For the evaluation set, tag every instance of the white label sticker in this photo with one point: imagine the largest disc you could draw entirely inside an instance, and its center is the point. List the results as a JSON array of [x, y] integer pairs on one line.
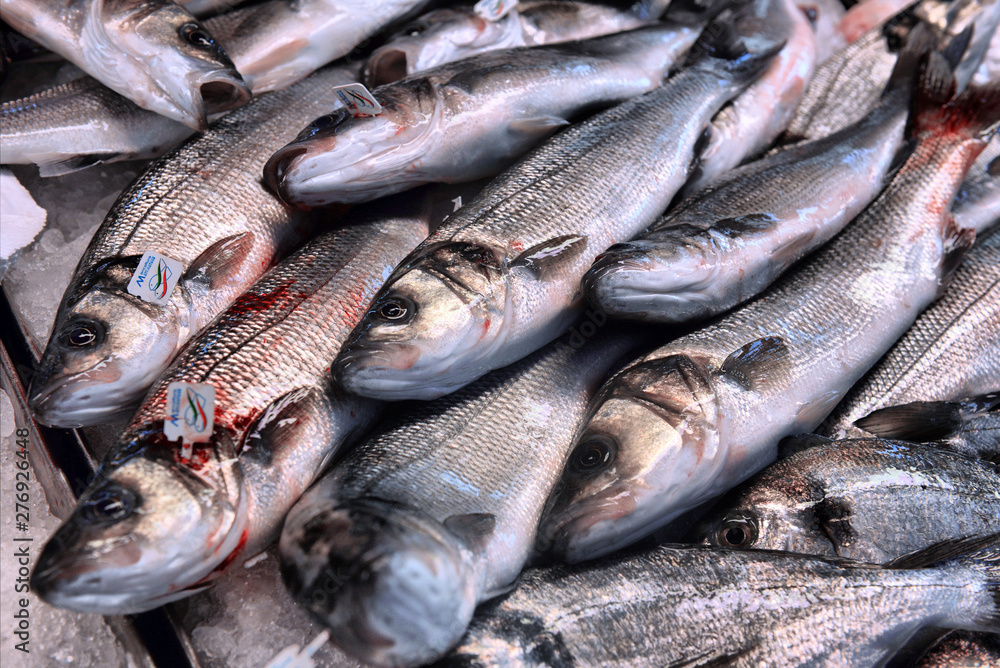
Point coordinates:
[[358, 99], [155, 278], [190, 413], [494, 10]]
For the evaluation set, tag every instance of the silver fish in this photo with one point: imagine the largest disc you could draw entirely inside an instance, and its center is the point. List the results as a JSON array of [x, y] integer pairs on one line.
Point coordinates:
[[952, 351], [202, 205], [151, 51], [158, 524], [977, 205], [453, 492], [703, 413], [501, 277], [867, 499], [455, 33], [699, 606], [473, 118], [721, 247]]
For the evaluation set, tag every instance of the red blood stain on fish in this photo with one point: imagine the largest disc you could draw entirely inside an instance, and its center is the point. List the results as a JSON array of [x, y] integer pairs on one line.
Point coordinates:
[[261, 302]]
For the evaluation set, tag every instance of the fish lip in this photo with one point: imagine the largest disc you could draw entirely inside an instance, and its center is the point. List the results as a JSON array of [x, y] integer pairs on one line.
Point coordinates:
[[45, 410], [386, 65], [567, 527], [223, 92], [278, 165]]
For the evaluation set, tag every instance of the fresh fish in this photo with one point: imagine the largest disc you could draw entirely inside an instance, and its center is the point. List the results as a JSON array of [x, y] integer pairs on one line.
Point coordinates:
[[500, 278], [952, 351], [758, 115], [455, 33], [453, 492], [202, 205], [471, 119], [158, 524], [964, 650], [970, 426], [977, 205], [867, 499], [151, 51], [725, 245], [699, 415], [700, 606]]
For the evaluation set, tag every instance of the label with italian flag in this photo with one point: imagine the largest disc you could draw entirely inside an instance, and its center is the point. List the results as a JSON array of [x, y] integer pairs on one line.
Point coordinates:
[[155, 278], [190, 412]]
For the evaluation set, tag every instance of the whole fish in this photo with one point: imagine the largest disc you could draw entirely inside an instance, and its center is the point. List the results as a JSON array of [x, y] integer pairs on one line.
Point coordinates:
[[700, 606], [151, 51], [758, 115], [453, 492], [699, 415], [952, 350], [202, 205], [964, 650], [725, 245], [470, 119], [867, 499], [977, 205], [454, 33], [157, 523], [501, 277]]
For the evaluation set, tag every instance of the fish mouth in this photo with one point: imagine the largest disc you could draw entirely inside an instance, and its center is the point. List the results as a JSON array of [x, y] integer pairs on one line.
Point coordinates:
[[386, 66], [566, 530], [372, 370], [277, 167], [223, 94], [73, 402]]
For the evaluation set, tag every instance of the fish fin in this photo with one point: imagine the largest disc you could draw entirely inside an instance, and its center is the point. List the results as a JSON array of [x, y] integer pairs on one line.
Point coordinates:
[[923, 39], [957, 242], [220, 261], [793, 249], [984, 545], [547, 257], [473, 528], [975, 113], [919, 421], [791, 445], [957, 46], [287, 419], [746, 224], [538, 126], [752, 365], [75, 163], [721, 47]]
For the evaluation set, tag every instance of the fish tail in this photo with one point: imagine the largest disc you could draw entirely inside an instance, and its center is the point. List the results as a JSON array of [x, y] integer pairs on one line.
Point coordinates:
[[722, 49], [938, 112]]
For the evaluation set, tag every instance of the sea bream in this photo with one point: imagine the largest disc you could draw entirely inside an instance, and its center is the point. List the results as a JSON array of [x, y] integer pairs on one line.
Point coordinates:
[[437, 512], [700, 414], [470, 119], [453, 33], [703, 606], [501, 277], [867, 499], [151, 51], [158, 523], [203, 206]]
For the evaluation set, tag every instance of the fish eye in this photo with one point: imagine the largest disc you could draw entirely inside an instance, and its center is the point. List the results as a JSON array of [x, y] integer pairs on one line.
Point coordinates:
[[415, 29], [812, 14], [737, 532], [593, 455], [396, 309], [195, 35], [109, 505], [81, 334]]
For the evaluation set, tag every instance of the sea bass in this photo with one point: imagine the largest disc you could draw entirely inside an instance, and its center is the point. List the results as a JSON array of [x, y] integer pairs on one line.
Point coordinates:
[[151, 51], [471, 119], [690, 606], [158, 523], [952, 350], [452, 491], [699, 415], [203, 206], [454, 33], [501, 277], [867, 499]]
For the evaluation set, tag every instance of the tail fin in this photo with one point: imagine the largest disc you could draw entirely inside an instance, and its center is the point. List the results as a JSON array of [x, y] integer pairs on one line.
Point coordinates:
[[721, 49], [925, 421], [922, 40], [937, 111]]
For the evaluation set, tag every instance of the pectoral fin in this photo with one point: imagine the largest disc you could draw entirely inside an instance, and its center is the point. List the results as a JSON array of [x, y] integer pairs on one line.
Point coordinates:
[[551, 256], [222, 260], [753, 365]]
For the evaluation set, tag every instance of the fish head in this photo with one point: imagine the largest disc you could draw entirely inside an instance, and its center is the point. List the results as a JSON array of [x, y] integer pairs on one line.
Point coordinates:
[[429, 330], [147, 532], [172, 64], [342, 158], [105, 350], [393, 585], [646, 454]]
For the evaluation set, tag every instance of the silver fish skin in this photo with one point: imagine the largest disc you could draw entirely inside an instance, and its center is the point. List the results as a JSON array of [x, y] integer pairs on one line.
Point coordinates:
[[759, 114], [693, 605], [977, 205], [157, 524], [151, 51], [964, 650], [453, 491], [471, 119], [701, 414], [202, 205], [455, 33], [501, 277], [952, 351], [725, 245], [208, 7], [870, 499]]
